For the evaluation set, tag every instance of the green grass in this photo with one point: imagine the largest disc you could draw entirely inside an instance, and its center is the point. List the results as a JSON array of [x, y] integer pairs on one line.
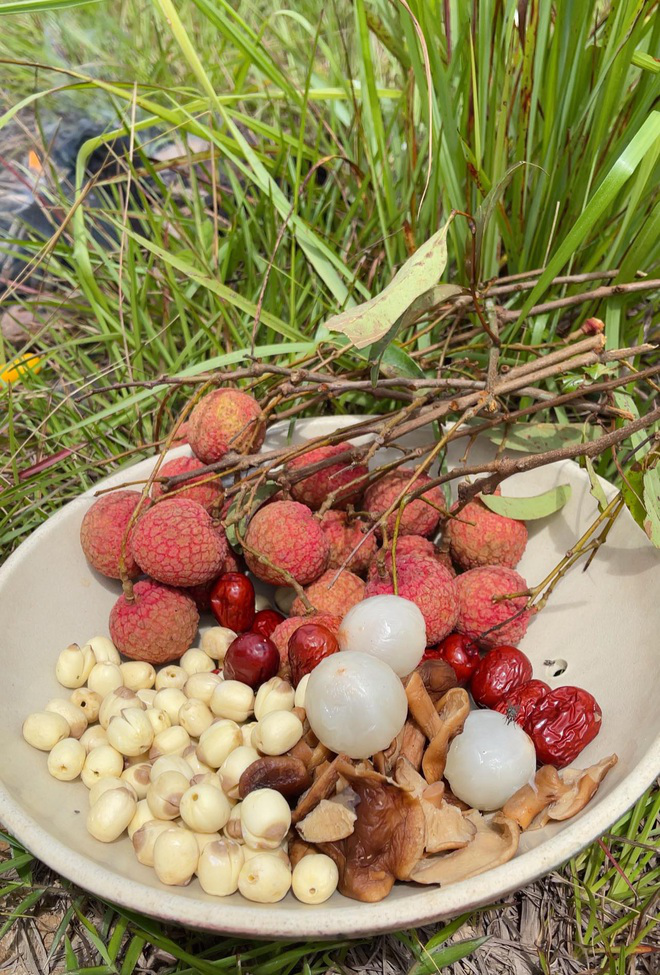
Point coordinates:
[[543, 131]]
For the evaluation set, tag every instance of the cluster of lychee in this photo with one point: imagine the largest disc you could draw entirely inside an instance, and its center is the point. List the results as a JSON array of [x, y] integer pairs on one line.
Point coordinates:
[[328, 538]]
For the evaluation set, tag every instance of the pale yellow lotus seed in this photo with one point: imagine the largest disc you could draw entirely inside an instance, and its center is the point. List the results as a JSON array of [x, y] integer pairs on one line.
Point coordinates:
[[261, 602], [44, 729], [66, 759], [159, 719], [204, 809], [280, 853], [147, 695], [94, 737], [143, 814], [114, 703], [201, 686], [74, 665], [130, 732], [138, 675], [264, 879], [265, 819], [171, 676], [175, 857], [284, 597], [219, 866], [195, 717], [170, 763], [190, 755], [195, 661], [203, 839], [172, 741], [89, 701], [110, 815], [301, 690], [104, 650], [246, 732], [314, 878], [145, 837], [275, 695], [106, 784], [217, 742], [232, 699], [74, 715], [139, 777], [277, 732], [233, 829], [171, 700], [233, 767], [100, 762], [216, 641], [105, 677], [164, 794]]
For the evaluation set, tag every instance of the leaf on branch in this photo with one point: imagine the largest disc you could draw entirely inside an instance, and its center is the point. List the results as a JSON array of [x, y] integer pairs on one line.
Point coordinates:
[[367, 323], [536, 438], [596, 487], [632, 490], [262, 493], [651, 481], [529, 509]]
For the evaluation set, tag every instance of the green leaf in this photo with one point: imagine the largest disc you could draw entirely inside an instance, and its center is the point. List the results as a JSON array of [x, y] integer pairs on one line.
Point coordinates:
[[646, 61], [262, 493], [529, 509], [632, 490], [652, 505], [433, 961], [537, 437], [367, 323], [40, 6], [596, 487], [482, 218]]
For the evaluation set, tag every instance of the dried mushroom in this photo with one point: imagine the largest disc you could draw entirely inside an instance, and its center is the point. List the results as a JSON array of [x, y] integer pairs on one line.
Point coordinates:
[[494, 842], [438, 677], [324, 786], [387, 840], [582, 785], [327, 822], [413, 743], [283, 773], [445, 826], [421, 707], [452, 711], [533, 797]]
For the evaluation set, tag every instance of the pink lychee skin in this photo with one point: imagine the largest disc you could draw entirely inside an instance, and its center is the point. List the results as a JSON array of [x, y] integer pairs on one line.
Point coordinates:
[[477, 613], [333, 593], [478, 536], [159, 625], [288, 534], [282, 633], [226, 419], [176, 543], [103, 528], [381, 566], [336, 479], [345, 538], [429, 585], [208, 493], [418, 518], [181, 435]]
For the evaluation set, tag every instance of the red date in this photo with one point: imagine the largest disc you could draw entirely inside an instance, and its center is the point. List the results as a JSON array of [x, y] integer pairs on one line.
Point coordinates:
[[265, 621], [232, 601], [498, 673], [562, 724], [519, 703], [459, 652]]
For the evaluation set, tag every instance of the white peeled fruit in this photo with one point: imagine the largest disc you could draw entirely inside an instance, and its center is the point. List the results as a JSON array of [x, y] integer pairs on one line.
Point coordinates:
[[314, 878], [387, 627], [490, 760], [355, 703]]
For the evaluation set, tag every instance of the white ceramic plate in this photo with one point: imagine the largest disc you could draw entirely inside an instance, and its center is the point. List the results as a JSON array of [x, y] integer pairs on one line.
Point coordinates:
[[604, 622]]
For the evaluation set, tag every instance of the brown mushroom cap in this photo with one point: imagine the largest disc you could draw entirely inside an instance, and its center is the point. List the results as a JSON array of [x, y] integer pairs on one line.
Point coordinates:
[[495, 842], [581, 786], [387, 840], [532, 798], [328, 822], [452, 711]]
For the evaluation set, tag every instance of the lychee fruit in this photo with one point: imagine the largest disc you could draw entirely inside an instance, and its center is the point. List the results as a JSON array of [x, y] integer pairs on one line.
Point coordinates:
[[176, 543], [289, 536], [205, 492], [282, 633], [181, 435], [381, 565], [420, 517], [103, 528], [478, 613], [478, 536], [158, 625], [429, 585], [337, 479], [350, 545], [334, 592], [226, 419]]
